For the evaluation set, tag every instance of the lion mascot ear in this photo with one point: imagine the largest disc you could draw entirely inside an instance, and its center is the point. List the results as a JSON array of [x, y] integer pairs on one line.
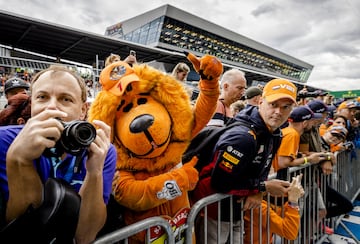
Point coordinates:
[[114, 79]]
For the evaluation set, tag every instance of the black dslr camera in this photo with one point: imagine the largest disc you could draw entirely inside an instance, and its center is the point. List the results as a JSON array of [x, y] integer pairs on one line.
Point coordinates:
[[76, 136]]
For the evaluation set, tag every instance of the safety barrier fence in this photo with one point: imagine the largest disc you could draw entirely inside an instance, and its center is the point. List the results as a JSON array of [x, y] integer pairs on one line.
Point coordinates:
[[312, 224], [124, 233]]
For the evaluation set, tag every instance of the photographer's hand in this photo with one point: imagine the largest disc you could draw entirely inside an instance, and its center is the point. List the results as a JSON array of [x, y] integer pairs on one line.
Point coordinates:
[[98, 148], [40, 132]]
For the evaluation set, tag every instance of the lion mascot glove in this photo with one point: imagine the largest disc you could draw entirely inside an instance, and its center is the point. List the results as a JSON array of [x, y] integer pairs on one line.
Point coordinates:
[[152, 123]]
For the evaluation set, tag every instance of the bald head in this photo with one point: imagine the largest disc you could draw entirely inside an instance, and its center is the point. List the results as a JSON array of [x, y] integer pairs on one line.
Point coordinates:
[[232, 75], [233, 85]]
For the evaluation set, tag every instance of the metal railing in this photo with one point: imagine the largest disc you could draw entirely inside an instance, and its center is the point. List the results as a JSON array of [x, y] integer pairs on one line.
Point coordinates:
[[123, 234], [311, 226]]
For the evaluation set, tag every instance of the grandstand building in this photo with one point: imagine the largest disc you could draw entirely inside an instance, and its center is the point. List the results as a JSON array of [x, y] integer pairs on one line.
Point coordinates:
[[173, 29], [159, 38]]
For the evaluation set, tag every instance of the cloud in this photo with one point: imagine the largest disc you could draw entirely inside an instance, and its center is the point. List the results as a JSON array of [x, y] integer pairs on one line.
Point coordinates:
[[324, 33], [266, 9], [321, 33]]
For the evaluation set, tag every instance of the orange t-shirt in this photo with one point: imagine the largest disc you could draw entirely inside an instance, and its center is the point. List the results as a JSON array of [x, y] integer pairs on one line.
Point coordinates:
[[289, 146], [287, 227]]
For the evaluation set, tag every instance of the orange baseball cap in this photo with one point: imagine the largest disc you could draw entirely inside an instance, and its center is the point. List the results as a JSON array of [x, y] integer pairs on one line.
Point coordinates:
[[116, 77], [347, 104], [279, 88]]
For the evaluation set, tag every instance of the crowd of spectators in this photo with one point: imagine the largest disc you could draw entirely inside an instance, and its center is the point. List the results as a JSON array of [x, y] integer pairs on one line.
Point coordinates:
[[314, 127]]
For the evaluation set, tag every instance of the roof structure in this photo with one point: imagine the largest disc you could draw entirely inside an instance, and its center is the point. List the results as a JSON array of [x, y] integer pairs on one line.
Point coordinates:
[[66, 43], [71, 44]]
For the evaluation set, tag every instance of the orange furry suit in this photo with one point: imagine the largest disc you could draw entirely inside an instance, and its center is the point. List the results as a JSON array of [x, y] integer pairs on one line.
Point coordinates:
[[152, 123]]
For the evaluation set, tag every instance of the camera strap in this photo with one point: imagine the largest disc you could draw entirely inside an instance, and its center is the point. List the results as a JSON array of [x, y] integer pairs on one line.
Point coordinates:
[[56, 165], [76, 168]]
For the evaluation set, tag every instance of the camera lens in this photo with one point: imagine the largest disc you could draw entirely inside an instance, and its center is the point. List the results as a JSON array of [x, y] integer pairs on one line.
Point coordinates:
[[83, 133], [77, 135]]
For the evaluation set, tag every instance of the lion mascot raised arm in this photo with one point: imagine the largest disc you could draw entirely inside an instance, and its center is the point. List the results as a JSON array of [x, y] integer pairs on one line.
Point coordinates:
[[152, 123]]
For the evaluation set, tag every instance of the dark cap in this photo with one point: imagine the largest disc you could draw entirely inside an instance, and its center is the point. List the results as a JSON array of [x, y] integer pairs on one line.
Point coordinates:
[[321, 93], [331, 108], [302, 113], [317, 106], [15, 83], [252, 92]]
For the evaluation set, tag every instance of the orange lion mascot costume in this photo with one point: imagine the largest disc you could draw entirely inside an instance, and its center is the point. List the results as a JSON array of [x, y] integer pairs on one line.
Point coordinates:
[[152, 123]]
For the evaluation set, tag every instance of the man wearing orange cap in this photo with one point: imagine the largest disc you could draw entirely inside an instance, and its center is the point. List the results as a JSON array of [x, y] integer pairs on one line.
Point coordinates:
[[242, 158], [347, 109]]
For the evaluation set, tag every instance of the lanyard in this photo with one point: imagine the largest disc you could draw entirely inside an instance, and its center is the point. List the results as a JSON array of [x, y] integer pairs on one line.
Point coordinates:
[[56, 162]]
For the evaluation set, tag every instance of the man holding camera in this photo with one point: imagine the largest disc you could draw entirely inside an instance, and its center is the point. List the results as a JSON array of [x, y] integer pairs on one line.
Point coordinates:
[[57, 96]]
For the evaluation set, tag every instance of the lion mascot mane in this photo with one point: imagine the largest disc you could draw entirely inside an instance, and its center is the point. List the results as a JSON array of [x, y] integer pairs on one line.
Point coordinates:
[[152, 123]]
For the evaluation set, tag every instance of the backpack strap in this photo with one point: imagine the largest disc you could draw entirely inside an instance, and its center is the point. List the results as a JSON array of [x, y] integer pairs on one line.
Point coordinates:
[[225, 116], [208, 136]]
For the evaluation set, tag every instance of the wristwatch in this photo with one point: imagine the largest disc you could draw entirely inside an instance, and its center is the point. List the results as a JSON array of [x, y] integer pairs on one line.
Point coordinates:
[[262, 186]]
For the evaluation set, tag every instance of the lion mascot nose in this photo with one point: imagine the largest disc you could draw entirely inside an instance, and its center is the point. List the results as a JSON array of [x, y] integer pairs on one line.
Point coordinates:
[[141, 123]]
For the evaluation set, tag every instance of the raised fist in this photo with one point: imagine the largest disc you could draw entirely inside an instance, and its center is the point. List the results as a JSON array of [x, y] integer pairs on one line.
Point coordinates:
[[208, 67]]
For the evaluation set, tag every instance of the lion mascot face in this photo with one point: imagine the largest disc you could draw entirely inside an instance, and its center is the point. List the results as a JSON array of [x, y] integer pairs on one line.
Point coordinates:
[[152, 123], [145, 135]]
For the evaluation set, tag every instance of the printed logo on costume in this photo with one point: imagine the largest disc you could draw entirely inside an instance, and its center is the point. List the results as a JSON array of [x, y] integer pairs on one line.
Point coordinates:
[[226, 166], [170, 190], [269, 160], [230, 158], [118, 72], [230, 149], [257, 159]]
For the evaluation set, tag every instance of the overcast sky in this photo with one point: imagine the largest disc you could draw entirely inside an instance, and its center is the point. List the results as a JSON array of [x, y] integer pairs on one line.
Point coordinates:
[[324, 33]]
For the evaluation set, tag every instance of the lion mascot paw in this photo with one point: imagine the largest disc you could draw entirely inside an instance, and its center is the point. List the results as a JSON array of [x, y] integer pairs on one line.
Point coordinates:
[[152, 123]]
